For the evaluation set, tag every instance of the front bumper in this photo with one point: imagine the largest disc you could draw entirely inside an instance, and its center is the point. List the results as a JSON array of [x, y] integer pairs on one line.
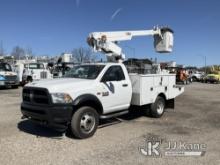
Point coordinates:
[[9, 83], [55, 116], [212, 80]]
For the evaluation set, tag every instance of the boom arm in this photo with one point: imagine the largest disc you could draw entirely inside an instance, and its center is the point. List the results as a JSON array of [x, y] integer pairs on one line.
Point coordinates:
[[106, 42]]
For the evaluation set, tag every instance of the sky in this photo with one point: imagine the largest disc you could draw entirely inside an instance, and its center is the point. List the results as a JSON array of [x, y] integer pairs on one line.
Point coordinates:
[[51, 27]]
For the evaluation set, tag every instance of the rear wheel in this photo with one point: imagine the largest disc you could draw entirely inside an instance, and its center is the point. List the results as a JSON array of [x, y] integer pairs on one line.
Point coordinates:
[[84, 122], [158, 107]]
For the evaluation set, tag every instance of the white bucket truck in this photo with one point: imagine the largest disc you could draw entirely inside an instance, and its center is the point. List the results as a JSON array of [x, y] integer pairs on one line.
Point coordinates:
[[90, 92], [34, 72]]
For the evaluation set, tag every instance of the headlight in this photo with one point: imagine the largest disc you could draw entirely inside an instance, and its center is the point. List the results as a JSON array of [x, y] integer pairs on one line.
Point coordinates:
[[61, 98], [2, 78]]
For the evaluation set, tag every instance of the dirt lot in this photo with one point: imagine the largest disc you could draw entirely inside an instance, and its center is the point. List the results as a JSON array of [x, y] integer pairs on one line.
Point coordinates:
[[196, 119]]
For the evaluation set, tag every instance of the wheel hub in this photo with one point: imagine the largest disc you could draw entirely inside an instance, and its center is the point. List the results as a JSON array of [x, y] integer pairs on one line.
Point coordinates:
[[87, 123], [160, 108]]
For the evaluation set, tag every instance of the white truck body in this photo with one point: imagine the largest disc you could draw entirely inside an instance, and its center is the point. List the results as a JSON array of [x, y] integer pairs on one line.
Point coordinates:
[[146, 88], [138, 92]]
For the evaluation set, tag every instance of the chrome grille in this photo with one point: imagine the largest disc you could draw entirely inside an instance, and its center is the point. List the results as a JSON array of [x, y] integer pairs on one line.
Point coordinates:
[[10, 78], [43, 75]]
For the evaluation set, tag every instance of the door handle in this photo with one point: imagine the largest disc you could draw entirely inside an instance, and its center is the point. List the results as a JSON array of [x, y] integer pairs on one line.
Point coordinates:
[[124, 85]]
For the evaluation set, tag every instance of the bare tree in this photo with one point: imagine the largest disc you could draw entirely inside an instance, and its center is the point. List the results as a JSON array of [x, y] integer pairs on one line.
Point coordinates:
[[83, 55], [29, 52], [18, 52], [2, 50]]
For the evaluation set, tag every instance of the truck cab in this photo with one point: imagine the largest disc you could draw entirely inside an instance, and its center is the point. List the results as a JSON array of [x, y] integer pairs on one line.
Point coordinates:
[[35, 71], [8, 78], [90, 92]]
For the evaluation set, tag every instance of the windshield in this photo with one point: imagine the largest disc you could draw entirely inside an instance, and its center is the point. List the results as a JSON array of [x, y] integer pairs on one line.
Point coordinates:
[[84, 71], [5, 67], [34, 66]]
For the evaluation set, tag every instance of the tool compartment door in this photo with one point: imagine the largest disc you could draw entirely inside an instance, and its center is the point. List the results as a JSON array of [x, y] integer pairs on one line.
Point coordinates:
[[142, 89]]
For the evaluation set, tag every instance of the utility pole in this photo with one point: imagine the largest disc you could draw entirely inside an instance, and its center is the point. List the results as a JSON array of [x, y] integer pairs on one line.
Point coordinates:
[[204, 57], [2, 51], [205, 64]]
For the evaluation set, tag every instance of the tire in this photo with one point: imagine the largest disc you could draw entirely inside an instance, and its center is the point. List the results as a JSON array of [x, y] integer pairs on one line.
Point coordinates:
[[187, 82], [194, 79], [84, 122], [158, 107], [15, 87], [29, 80], [184, 82]]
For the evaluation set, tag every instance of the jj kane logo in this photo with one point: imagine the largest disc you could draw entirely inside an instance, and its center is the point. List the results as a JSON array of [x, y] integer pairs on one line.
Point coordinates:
[[153, 148]]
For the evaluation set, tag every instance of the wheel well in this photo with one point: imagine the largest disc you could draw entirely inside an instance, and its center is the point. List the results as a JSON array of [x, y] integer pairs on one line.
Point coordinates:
[[163, 96], [29, 78], [168, 103], [92, 104], [194, 77]]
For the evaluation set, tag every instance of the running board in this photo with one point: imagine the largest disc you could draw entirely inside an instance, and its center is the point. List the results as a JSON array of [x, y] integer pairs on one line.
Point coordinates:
[[111, 115]]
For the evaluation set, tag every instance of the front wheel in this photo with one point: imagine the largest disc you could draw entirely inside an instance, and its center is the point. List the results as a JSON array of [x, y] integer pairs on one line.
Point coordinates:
[[84, 122], [158, 107], [14, 87]]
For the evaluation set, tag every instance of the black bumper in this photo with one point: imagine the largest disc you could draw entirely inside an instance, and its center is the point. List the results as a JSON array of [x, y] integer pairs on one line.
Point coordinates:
[[10, 83], [54, 116], [212, 80]]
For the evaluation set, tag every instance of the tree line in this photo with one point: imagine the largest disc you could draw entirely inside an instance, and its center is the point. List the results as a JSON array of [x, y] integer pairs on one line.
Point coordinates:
[[79, 55]]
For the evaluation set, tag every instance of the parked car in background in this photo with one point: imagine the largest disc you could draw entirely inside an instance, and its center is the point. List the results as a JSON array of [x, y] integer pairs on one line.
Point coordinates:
[[212, 78], [196, 76]]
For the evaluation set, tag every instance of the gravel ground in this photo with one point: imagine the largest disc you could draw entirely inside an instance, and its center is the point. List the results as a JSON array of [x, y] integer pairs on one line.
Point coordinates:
[[196, 119]]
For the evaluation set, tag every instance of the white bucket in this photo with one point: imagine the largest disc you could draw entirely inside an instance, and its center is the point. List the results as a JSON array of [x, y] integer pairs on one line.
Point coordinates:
[[164, 44]]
